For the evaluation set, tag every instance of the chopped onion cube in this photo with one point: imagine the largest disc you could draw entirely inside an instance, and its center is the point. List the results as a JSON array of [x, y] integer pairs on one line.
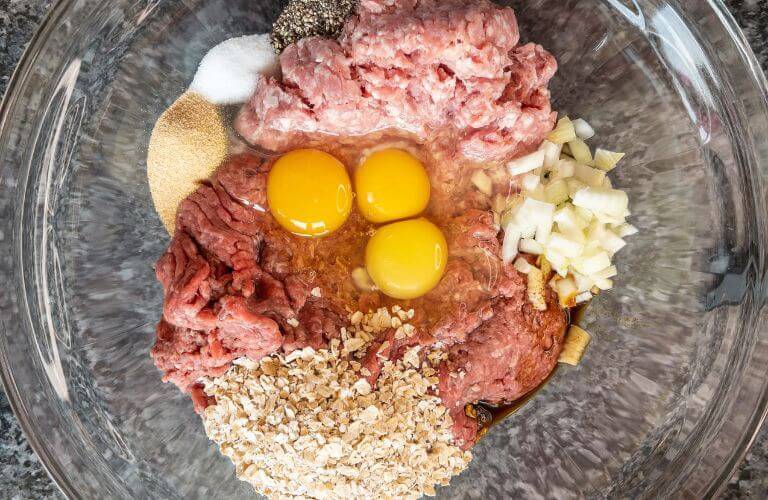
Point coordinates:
[[564, 169], [551, 153], [565, 246], [558, 261], [563, 132], [608, 272], [580, 151], [531, 181], [566, 292], [583, 283], [482, 182], [604, 284], [611, 242], [574, 186], [531, 246], [526, 163], [589, 176], [592, 264], [536, 294], [556, 192], [607, 160], [537, 193], [607, 183], [626, 230], [611, 202], [576, 342], [523, 265], [583, 129], [510, 243], [583, 297]]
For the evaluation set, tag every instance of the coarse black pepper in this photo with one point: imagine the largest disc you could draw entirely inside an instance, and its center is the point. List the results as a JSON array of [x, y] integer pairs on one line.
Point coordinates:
[[303, 18]]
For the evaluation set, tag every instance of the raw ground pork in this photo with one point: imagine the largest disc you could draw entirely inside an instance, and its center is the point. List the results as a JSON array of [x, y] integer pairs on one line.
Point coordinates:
[[449, 71], [236, 284]]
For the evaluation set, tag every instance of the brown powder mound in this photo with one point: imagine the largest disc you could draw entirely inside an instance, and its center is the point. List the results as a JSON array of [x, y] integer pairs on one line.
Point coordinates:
[[188, 142]]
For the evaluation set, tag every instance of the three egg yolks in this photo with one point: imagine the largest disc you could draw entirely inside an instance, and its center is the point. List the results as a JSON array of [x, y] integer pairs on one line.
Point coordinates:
[[310, 194]]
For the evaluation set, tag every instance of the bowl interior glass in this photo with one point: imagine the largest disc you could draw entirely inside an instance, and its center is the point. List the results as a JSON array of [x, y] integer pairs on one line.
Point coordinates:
[[670, 392]]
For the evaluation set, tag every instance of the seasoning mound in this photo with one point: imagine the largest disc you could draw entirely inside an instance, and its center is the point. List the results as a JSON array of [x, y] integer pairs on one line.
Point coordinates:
[[303, 18], [188, 142], [306, 425]]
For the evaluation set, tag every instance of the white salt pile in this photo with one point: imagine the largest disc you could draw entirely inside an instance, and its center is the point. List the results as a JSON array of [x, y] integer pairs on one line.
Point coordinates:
[[228, 73]]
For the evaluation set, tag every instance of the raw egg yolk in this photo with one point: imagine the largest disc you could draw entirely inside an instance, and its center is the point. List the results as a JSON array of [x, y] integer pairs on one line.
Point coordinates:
[[391, 184], [309, 192], [406, 259]]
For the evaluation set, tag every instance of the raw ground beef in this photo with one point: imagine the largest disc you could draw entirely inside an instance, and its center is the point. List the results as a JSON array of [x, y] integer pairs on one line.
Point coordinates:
[[446, 71], [445, 74]]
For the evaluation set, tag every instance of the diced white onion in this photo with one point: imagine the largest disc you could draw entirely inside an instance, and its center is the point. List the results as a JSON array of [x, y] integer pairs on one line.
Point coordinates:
[[574, 186], [607, 160], [566, 292], [583, 297], [523, 265], [565, 246], [482, 182], [611, 202], [580, 151], [583, 129], [604, 274], [563, 132], [531, 181], [558, 261], [531, 246], [510, 243], [591, 265], [551, 153], [626, 230], [556, 192], [526, 163], [611, 241], [589, 176], [583, 283], [564, 169], [604, 284]]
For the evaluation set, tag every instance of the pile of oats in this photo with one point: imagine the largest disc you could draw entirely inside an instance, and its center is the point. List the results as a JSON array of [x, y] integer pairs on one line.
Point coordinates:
[[307, 425]]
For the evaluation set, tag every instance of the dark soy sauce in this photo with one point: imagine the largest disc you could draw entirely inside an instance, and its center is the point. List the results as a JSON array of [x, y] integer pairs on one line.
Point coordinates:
[[489, 414]]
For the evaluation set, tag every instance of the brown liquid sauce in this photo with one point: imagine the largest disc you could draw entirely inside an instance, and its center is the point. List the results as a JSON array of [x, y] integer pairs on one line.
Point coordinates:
[[489, 414]]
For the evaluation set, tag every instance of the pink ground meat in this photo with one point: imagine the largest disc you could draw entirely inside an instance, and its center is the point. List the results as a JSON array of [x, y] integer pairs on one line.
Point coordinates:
[[447, 71]]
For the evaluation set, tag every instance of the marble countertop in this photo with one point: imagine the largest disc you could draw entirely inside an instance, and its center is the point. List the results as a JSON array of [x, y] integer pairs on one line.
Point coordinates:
[[21, 474]]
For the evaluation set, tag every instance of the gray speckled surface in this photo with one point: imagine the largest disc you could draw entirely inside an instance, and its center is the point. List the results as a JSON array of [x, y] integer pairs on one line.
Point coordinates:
[[21, 475]]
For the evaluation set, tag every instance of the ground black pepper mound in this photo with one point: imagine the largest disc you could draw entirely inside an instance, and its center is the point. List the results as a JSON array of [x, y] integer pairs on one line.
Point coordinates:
[[303, 18]]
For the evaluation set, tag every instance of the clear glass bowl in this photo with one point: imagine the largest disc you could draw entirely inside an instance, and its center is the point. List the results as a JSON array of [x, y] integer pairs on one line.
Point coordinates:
[[673, 387]]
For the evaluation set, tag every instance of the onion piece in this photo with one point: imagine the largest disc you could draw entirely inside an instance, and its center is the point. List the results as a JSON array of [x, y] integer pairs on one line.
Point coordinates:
[[525, 164], [592, 264], [589, 176], [576, 342], [626, 230], [551, 153], [607, 160], [511, 241], [536, 293], [563, 132], [531, 181], [531, 246], [604, 274], [580, 151], [565, 246], [583, 297], [604, 285], [566, 292], [482, 182], [611, 202], [574, 186], [522, 265], [583, 129], [556, 192], [611, 242]]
